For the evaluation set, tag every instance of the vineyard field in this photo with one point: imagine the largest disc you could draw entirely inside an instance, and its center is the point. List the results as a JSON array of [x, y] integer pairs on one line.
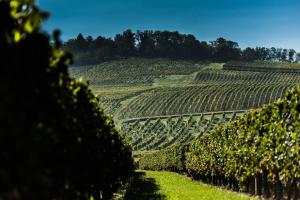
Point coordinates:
[[198, 99], [154, 133], [133, 71], [158, 102], [212, 91], [263, 66]]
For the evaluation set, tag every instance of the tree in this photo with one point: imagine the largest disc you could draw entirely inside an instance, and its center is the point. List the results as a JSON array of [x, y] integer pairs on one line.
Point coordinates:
[[205, 51], [284, 55], [292, 54], [261, 53], [298, 57], [163, 43], [103, 49], [167, 44], [55, 142], [272, 54], [225, 50], [146, 43], [249, 54], [279, 54], [126, 43], [191, 47], [80, 44]]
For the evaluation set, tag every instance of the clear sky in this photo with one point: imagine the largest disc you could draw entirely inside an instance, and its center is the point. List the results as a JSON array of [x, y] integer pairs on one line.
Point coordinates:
[[249, 22]]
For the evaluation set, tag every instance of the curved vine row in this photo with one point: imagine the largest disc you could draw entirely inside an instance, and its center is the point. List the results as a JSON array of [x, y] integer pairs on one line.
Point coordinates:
[[257, 153]]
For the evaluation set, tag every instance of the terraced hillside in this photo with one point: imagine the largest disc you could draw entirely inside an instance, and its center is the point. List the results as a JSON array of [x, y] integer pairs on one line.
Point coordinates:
[[157, 102]]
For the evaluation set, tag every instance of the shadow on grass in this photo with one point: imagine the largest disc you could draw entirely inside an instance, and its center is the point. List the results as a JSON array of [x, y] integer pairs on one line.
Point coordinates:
[[143, 188]]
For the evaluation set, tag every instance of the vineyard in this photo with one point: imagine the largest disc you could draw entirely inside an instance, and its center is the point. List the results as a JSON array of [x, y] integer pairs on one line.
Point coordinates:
[[158, 102], [257, 153], [212, 91], [154, 133], [103, 131], [133, 71], [263, 66]]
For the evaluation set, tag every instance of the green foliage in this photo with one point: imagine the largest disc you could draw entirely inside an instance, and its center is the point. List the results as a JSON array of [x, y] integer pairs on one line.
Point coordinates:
[[212, 91], [263, 66], [136, 87], [154, 133], [171, 159], [125, 43], [224, 50], [147, 44], [167, 44], [55, 141], [264, 144], [149, 112], [273, 54], [133, 71]]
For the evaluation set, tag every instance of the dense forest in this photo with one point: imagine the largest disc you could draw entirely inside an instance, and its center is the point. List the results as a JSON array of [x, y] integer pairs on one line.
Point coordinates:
[[166, 44]]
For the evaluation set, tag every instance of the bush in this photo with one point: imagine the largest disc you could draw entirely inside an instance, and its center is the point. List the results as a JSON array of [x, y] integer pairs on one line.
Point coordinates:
[[170, 159], [55, 142]]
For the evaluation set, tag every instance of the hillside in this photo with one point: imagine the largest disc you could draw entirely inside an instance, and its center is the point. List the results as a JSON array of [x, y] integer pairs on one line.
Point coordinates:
[[154, 133], [263, 66], [157, 102]]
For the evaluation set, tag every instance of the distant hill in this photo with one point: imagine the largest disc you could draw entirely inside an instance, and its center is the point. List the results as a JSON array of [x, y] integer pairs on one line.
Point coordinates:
[[135, 89]]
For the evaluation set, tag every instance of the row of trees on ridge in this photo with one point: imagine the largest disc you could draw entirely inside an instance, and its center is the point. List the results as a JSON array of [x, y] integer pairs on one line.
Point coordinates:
[[166, 44]]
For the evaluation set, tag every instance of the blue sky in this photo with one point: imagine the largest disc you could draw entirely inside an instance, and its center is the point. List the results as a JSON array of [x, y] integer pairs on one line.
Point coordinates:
[[249, 22]]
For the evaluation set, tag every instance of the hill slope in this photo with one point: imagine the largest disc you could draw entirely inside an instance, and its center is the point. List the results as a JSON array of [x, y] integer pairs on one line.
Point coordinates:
[[135, 89]]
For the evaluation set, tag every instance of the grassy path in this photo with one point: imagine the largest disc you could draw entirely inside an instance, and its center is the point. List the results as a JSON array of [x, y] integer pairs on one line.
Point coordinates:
[[149, 185]]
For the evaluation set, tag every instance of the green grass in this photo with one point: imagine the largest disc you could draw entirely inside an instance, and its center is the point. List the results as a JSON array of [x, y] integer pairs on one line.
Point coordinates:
[[171, 186], [173, 80], [217, 66]]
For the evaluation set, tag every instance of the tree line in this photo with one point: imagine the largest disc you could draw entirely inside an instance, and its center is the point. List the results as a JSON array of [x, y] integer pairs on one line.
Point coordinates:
[[167, 44]]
